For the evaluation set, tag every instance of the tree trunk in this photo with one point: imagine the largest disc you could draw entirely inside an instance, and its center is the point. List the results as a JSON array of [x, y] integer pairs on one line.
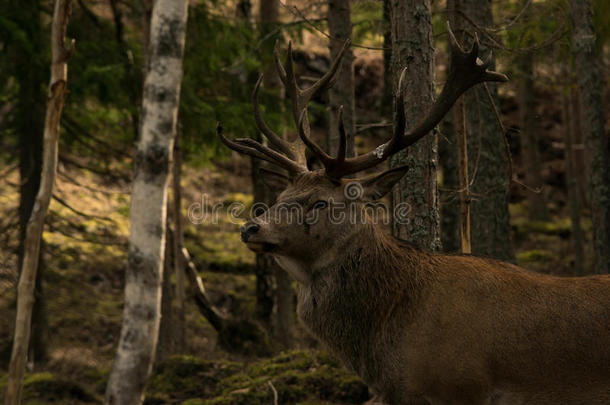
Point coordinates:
[[282, 296], [590, 86], [141, 314], [530, 153], [581, 156], [490, 230], [412, 47], [31, 252], [165, 347], [178, 243], [572, 187], [30, 74], [387, 97], [342, 93], [463, 179], [449, 201], [459, 109], [129, 79]]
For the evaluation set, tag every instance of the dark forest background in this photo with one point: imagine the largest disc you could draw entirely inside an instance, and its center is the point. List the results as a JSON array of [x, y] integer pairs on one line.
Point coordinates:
[[532, 163]]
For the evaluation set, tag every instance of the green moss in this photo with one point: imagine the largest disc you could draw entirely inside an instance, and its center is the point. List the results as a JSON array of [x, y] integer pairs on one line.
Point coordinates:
[[45, 387], [187, 377], [293, 360], [298, 377]]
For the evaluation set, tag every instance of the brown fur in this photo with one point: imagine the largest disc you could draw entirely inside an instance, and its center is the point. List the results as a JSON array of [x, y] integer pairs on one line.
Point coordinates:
[[453, 329]]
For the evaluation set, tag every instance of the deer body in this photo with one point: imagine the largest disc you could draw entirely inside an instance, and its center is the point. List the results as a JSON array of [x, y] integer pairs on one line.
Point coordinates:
[[418, 327], [460, 329]]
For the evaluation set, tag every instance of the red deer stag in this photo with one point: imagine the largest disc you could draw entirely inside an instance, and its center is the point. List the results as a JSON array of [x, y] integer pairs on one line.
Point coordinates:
[[420, 327]]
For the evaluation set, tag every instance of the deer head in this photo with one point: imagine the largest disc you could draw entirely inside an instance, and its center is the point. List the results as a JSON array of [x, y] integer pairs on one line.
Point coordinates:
[[288, 228]]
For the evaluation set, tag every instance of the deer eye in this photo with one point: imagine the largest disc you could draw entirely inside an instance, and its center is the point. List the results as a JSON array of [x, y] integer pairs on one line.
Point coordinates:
[[319, 205]]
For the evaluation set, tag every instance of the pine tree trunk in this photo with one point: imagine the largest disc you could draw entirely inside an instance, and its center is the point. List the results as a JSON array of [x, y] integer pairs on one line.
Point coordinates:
[[387, 97], [489, 217], [144, 274], [412, 47], [590, 86], [572, 187], [342, 93], [581, 155], [282, 296], [449, 201], [129, 80], [530, 153], [178, 243], [31, 248]]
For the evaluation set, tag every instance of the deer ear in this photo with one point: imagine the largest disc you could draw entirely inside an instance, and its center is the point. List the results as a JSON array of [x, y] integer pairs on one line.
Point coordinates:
[[276, 181], [379, 185]]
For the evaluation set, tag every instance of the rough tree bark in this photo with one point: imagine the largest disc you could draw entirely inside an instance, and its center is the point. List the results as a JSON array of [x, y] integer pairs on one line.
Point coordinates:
[[490, 231], [342, 93], [282, 297], [412, 47], [449, 204], [572, 186], [178, 243], [530, 153], [590, 86], [138, 339], [31, 252], [455, 7]]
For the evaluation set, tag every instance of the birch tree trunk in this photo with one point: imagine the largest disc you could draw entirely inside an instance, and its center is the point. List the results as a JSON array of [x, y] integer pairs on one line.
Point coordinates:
[[31, 248], [590, 86], [342, 93], [412, 46], [141, 314]]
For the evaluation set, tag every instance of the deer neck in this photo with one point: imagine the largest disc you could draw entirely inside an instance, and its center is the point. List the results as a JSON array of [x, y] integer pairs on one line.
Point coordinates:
[[347, 303]]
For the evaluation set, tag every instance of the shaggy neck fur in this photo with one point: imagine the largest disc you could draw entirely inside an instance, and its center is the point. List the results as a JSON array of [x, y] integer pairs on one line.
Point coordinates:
[[350, 304]]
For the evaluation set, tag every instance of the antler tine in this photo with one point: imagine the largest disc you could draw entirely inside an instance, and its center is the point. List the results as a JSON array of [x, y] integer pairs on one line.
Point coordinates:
[[466, 70], [301, 97], [281, 72], [304, 134], [329, 78], [273, 138], [251, 147]]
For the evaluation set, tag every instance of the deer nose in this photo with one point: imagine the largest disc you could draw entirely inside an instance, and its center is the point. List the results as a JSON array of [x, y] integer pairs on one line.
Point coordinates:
[[247, 230]]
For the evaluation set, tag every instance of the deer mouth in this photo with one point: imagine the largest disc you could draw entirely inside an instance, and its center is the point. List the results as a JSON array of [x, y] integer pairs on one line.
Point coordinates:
[[261, 247]]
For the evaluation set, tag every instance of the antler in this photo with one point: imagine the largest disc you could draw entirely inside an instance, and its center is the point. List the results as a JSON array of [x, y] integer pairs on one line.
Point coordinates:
[[466, 70], [288, 155]]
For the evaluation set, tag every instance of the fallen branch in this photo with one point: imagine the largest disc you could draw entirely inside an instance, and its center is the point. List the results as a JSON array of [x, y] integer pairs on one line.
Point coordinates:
[[198, 291]]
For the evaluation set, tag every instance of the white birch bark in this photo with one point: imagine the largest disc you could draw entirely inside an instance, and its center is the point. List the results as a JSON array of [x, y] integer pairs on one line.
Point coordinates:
[[141, 314]]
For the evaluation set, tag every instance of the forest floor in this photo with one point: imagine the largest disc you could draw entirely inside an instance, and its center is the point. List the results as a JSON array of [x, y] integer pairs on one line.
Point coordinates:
[[84, 257]]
